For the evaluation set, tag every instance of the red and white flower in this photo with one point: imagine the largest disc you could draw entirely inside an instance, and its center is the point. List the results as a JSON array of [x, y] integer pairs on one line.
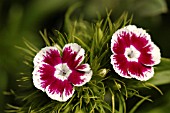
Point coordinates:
[[57, 74], [134, 54]]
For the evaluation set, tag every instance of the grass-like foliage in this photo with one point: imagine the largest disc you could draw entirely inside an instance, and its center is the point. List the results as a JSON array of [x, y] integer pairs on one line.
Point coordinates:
[[105, 93]]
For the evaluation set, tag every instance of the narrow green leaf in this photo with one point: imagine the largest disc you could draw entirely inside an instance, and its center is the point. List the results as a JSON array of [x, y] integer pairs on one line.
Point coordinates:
[[91, 52], [92, 109], [28, 96], [120, 104], [26, 50], [106, 106], [45, 37], [31, 46], [149, 84], [12, 106], [82, 43], [76, 105], [138, 104], [61, 38], [123, 103], [69, 102], [113, 101], [109, 21], [140, 96]]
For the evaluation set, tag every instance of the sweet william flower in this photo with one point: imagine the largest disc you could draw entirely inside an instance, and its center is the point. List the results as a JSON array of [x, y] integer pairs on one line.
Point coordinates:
[[57, 74], [134, 54]]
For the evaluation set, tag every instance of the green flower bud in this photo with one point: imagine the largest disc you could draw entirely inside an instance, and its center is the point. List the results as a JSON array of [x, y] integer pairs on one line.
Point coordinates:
[[103, 72]]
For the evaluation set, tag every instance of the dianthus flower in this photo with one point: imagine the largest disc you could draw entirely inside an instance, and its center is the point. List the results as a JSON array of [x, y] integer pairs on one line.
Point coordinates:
[[57, 74], [134, 54]]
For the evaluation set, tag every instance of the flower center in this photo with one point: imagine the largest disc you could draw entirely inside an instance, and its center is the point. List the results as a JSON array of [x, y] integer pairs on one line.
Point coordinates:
[[62, 71], [132, 54]]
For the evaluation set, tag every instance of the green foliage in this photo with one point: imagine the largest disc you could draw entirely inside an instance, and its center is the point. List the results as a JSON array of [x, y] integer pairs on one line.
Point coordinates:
[[90, 98], [23, 18], [162, 73]]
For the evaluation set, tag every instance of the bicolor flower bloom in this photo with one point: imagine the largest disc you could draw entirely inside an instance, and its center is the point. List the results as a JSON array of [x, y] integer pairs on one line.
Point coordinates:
[[134, 54], [57, 74]]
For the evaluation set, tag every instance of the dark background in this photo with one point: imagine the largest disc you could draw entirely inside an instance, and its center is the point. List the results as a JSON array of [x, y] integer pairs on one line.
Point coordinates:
[[21, 19]]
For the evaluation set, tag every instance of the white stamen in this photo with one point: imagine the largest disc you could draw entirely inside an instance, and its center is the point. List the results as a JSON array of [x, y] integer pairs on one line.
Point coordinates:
[[132, 54], [62, 71]]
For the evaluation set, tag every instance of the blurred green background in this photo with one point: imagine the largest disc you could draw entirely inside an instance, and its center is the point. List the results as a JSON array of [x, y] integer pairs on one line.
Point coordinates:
[[23, 19]]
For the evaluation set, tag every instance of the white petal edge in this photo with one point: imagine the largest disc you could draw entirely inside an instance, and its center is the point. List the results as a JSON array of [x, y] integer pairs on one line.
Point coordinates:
[[137, 31], [119, 32], [86, 69], [117, 70], [37, 78], [76, 48], [80, 53], [86, 77], [57, 96], [147, 75], [156, 54], [43, 52], [129, 29]]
